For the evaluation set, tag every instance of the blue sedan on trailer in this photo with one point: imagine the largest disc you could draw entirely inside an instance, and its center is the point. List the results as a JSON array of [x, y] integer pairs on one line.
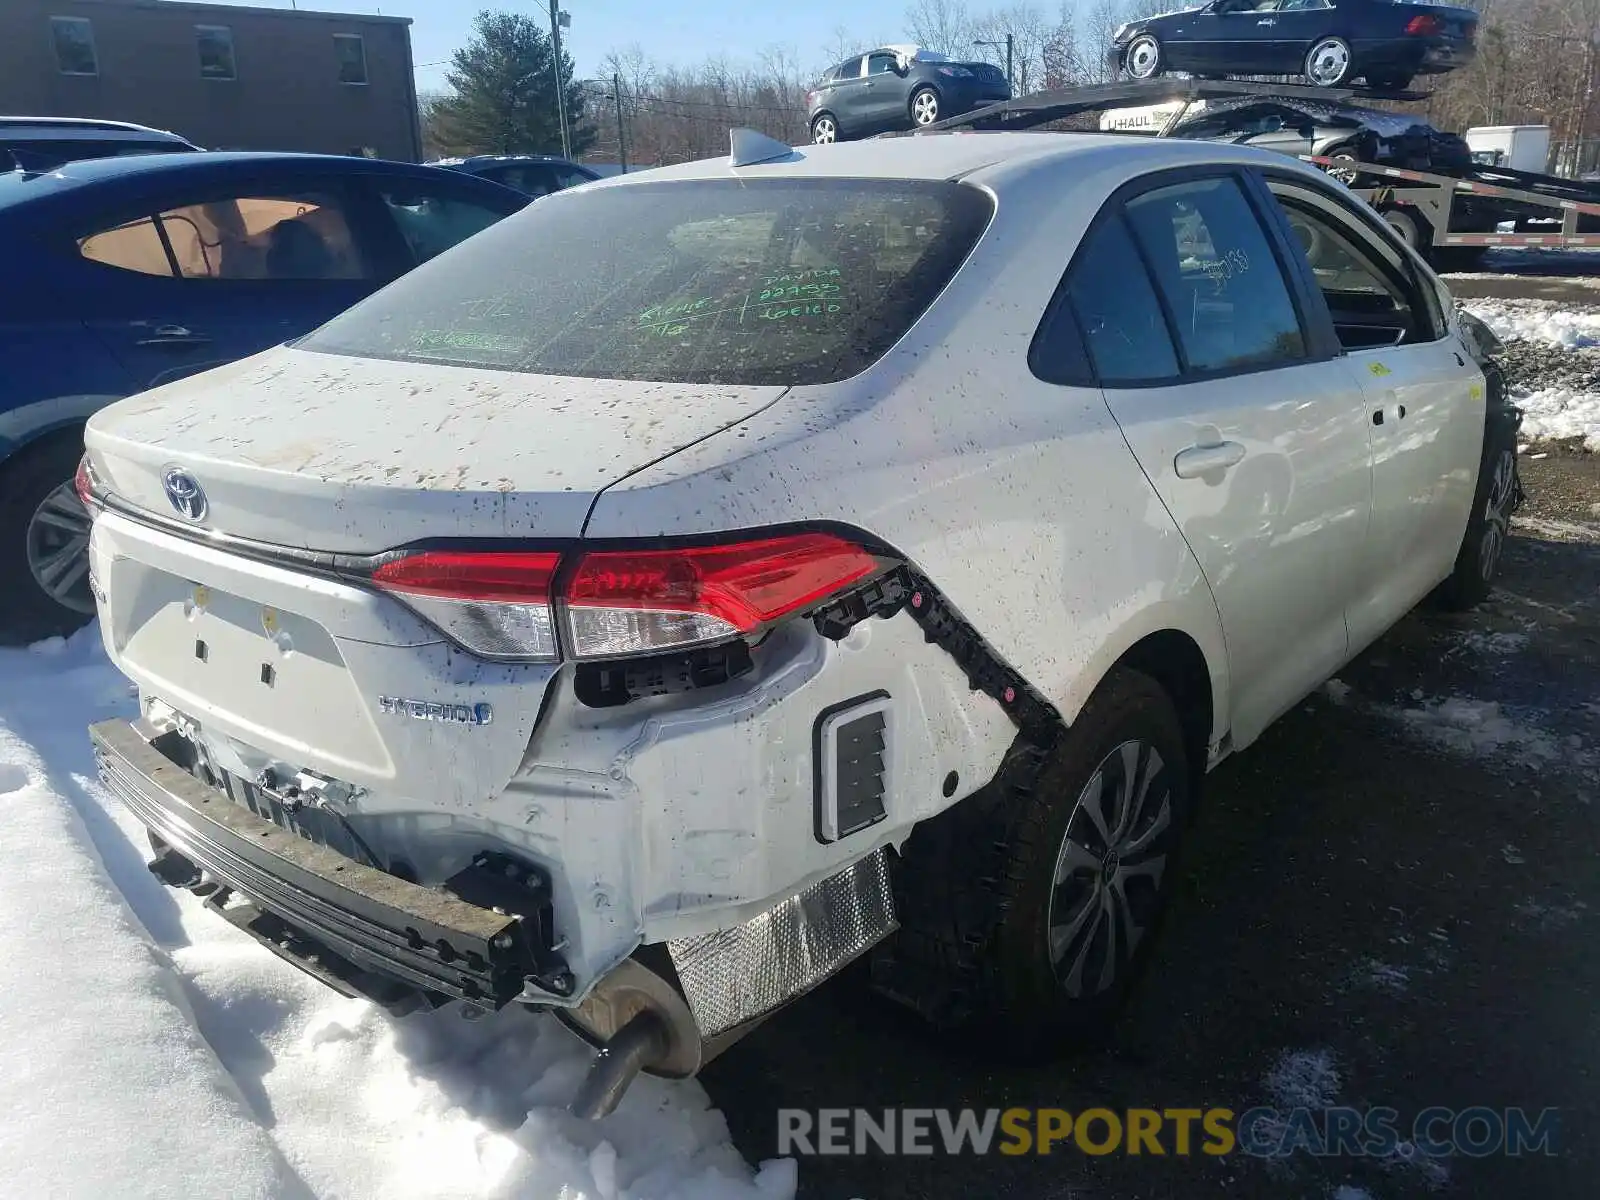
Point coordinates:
[[125, 273], [1330, 42]]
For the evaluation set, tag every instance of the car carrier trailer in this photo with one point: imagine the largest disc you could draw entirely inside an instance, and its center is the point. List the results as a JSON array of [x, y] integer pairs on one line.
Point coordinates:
[[1450, 218]]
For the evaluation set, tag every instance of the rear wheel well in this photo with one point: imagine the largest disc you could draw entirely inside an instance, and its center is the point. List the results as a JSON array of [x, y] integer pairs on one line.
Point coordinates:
[[1175, 662], [42, 444]]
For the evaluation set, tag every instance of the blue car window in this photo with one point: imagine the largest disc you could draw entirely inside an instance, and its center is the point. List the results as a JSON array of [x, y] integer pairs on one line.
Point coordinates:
[[286, 237], [135, 246]]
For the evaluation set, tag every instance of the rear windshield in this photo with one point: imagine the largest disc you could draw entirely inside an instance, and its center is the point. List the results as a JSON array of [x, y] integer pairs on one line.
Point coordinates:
[[706, 281]]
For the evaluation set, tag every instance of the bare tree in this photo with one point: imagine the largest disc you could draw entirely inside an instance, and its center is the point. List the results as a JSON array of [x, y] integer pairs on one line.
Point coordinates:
[[945, 26], [1061, 61]]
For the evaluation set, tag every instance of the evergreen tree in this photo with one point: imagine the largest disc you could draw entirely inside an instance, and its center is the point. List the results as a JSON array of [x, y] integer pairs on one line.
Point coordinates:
[[502, 97]]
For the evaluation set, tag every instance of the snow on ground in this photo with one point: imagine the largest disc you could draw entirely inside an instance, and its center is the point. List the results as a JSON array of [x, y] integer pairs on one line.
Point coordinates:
[[1538, 321], [149, 1049], [1553, 365], [1482, 729]]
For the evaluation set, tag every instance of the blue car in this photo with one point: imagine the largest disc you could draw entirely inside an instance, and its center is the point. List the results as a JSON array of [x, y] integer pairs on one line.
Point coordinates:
[[121, 274]]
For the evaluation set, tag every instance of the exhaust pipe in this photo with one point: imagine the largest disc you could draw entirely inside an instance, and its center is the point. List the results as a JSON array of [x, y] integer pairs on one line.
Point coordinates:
[[641, 1042], [638, 1020]]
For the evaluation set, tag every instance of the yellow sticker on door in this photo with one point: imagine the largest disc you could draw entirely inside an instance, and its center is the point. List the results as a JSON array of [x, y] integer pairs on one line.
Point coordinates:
[[1379, 369]]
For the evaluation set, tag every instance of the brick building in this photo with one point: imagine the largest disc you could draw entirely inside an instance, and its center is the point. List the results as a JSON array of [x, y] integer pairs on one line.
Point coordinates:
[[223, 76]]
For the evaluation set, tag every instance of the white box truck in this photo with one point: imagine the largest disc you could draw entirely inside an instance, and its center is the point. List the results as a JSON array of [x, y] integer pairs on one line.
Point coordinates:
[[1517, 147]]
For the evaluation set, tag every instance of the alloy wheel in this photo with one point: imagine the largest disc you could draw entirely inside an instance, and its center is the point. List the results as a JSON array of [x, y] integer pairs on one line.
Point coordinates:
[[1105, 893], [1497, 515], [1345, 175], [925, 108], [58, 549], [1328, 63], [1143, 57], [824, 131]]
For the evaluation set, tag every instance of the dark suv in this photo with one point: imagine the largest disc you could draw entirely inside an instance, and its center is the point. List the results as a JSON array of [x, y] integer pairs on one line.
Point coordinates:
[[898, 87]]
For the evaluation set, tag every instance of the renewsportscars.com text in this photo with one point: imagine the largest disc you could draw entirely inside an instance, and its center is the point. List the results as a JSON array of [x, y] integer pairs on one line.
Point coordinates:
[[1257, 1132]]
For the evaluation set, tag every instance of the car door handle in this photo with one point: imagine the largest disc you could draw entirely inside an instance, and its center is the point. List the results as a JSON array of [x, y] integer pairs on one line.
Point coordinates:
[[174, 335], [1203, 460], [1268, 21]]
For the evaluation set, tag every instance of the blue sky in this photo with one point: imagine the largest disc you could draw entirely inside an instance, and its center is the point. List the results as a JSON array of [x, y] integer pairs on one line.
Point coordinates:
[[678, 31]]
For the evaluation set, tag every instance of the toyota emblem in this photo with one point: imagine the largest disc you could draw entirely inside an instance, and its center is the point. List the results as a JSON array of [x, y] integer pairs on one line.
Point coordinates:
[[185, 493]]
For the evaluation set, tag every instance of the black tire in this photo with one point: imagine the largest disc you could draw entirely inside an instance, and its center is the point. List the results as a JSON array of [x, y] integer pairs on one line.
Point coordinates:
[[1144, 57], [824, 129], [27, 612], [976, 887], [1412, 229], [924, 107], [1497, 496]]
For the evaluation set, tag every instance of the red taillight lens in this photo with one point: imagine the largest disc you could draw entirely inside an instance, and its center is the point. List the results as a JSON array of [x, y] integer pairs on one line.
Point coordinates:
[[467, 576], [622, 602], [495, 604], [1425, 25], [83, 483], [635, 601]]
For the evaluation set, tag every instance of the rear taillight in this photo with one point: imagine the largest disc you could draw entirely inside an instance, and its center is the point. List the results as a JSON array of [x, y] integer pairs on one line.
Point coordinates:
[[83, 482], [617, 603], [495, 604], [1424, 25], [634, 601]]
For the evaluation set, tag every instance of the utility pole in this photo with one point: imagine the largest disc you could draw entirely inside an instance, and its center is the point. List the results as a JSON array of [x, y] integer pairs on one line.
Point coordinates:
[[557, 20], [622, 144]]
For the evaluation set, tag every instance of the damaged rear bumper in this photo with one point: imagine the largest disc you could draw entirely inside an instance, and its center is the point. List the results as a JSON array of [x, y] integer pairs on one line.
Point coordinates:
[[370, 933], [424, 937]]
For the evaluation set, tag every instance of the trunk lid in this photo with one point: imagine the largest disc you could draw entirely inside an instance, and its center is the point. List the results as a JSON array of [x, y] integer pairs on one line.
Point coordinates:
[[351, 455]]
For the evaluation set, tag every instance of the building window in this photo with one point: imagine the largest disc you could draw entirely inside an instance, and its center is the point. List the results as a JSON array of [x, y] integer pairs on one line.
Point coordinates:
[[215, 43], [74, 42], [352, 55]]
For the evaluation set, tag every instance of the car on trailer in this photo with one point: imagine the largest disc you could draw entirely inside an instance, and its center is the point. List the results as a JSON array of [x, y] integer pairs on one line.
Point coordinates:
[[1330, 42], [898, 87], [735, 588], [1346, 133]]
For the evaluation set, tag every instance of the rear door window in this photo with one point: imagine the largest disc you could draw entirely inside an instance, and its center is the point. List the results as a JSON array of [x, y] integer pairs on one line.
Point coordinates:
[[304, 236], [1215, 268], [704, 281]]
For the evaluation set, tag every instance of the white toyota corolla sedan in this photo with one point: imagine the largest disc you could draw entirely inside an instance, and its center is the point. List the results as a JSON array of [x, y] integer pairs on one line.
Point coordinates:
[[714, 574]]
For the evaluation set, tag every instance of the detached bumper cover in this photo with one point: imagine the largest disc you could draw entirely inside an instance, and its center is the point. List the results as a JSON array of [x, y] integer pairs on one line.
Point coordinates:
[[421, 936]]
